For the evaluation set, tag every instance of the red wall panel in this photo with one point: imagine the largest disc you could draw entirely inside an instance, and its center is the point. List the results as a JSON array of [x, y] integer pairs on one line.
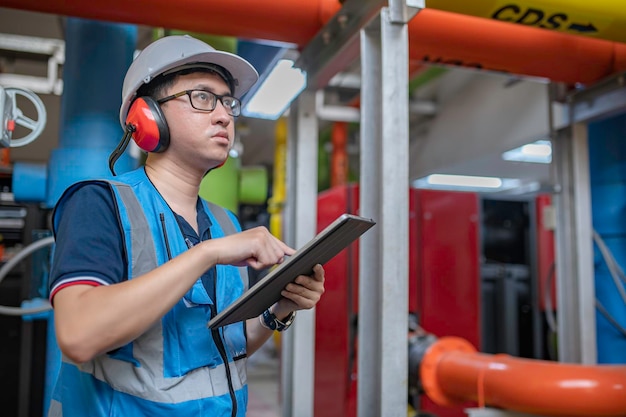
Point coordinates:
[[448, 270], [335, 337]]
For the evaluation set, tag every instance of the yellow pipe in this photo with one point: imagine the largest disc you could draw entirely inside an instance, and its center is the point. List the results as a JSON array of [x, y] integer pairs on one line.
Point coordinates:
[[276, 202], [279, 193], [602, 19]]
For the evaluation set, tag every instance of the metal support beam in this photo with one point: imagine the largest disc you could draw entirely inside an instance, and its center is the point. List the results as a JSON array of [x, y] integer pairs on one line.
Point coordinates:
[[574, 240], [600, 101], [369, 383], [336, 45], [298, 353], [383, 266], [574, 248]]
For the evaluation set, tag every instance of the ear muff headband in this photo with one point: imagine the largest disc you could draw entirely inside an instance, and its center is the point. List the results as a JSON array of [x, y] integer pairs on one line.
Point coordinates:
[[151, 131]]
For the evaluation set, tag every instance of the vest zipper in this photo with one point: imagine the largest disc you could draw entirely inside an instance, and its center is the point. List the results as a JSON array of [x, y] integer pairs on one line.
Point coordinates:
[[217, 339], [167, 242], [215, 333]]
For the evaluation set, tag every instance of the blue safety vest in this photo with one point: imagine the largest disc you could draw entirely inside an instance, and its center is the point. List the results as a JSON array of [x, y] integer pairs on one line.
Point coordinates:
[[178, 367]]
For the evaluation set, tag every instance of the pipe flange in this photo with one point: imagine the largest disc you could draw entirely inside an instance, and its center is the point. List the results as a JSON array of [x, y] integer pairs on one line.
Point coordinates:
[[428, 370]]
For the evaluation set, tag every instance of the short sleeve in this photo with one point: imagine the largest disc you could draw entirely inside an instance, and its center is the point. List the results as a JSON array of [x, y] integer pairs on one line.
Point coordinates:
[[89, 246]]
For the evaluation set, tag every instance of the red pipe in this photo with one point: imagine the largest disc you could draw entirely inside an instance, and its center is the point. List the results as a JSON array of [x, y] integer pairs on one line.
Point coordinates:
[[452, 373], [435, 36]]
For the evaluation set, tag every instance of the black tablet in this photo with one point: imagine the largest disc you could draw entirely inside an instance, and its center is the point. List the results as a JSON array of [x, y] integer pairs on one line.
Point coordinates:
[[322, 248]]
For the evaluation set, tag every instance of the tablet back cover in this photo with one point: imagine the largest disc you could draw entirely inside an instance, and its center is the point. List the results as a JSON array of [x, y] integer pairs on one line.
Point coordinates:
[[319, 250]]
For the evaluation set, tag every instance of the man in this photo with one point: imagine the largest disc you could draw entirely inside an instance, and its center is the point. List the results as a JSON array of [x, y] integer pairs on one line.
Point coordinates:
[[142, 263]]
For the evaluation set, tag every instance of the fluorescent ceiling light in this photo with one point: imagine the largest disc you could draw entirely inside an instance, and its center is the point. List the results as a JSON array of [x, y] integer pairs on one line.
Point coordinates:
[[539, 152], [276, 92], [466, 183]]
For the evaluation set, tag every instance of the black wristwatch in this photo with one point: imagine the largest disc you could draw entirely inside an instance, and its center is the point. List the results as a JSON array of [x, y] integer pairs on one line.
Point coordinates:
[[270, 321]]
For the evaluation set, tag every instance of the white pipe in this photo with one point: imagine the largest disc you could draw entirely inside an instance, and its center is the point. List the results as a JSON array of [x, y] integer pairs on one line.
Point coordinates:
[[11, 263]]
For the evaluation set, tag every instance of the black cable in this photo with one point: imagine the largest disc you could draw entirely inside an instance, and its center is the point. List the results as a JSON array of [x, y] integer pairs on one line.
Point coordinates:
[[599, 306], [121, 147], [547, 297], [610, 318], [549, 313]]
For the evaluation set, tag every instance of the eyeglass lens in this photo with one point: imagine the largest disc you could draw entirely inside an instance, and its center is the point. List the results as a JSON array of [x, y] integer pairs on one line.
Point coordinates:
[[205, 100]]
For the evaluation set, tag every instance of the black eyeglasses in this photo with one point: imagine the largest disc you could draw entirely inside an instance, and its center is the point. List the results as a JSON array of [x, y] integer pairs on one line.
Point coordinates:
[[206, 101]]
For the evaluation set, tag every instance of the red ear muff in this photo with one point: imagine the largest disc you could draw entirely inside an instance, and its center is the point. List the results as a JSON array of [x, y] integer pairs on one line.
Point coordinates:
[[151, 132]]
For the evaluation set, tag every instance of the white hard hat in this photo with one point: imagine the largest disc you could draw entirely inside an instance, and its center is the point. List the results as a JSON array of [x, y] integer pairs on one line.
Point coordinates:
[[171, 52]]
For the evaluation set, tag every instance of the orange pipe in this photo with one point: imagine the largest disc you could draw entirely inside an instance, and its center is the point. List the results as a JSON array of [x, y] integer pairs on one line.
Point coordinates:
[[435, 36], [339, 155], [452, 373], [449, 38], [292, 21]]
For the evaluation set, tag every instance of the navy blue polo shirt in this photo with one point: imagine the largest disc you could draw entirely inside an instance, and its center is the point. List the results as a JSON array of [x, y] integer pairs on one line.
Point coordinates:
[[89, 246]]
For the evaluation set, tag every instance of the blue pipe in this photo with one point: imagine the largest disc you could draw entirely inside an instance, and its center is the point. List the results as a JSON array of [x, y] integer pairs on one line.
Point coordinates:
[[97, 55], [607, 165], [29, 182]]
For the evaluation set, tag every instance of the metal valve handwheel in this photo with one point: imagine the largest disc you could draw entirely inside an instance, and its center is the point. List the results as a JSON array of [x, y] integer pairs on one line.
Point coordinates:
[[12, 116]]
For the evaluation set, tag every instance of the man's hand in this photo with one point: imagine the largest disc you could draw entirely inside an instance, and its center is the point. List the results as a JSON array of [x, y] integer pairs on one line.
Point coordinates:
[[256, 248], [302, 294]]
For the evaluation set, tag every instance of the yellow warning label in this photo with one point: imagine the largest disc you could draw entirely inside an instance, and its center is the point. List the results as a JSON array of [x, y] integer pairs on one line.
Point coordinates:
[[603, 19]]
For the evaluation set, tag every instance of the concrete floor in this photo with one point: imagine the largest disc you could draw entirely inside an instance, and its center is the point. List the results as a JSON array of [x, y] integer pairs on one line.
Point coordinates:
[[263, 382]]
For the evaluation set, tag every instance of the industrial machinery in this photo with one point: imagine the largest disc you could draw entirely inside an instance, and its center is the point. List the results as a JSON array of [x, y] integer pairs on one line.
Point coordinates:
[[13, 117], [24, 254], [481, 270]]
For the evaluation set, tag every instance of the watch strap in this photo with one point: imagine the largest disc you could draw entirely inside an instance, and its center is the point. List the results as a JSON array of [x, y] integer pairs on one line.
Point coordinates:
[[271, 322]]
